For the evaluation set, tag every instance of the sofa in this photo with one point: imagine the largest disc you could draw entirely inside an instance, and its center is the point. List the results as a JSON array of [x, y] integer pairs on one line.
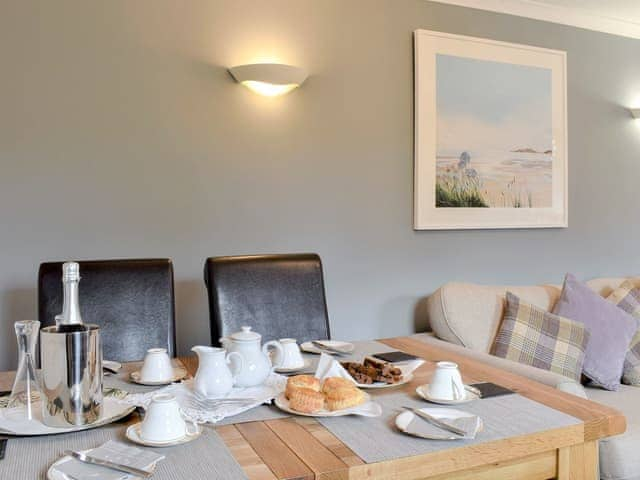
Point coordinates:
[[465, 318]]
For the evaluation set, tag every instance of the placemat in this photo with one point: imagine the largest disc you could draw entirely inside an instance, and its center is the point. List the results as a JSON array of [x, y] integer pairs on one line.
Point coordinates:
[[206, 458], [503, 417]]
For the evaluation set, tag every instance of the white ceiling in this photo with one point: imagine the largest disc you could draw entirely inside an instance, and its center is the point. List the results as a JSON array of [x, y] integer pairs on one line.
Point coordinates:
[[618, 17]]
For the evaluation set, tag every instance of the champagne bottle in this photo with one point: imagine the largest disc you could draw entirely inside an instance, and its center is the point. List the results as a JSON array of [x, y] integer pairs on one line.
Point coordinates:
[[70, 319]]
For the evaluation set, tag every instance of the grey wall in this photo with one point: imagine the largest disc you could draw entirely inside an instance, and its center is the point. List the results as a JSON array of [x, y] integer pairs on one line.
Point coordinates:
[[122, 135]]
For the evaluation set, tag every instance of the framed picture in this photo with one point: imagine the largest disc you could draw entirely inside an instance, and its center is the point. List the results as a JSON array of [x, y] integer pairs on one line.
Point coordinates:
[[490, 134]]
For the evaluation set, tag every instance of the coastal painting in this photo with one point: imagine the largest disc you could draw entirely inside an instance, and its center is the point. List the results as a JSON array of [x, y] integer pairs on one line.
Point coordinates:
[[490, 134], [493, 133]]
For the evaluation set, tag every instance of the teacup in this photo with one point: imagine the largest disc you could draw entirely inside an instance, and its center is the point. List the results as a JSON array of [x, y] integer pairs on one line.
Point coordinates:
[[163, 421], [446, 383], [157, 366], [290, 357]]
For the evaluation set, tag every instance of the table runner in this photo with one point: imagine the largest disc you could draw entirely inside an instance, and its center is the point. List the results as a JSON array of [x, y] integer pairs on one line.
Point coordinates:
[[503, 417], [206, 458]]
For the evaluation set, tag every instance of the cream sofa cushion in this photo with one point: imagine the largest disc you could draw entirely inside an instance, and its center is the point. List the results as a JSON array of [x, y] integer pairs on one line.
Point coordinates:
[[469, 314]]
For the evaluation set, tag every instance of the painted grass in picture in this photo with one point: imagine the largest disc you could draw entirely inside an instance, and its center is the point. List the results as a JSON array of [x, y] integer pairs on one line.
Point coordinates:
[[494, 134]]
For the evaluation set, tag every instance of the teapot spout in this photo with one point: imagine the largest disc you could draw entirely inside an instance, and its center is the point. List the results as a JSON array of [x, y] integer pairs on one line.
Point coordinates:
[[225, 342]]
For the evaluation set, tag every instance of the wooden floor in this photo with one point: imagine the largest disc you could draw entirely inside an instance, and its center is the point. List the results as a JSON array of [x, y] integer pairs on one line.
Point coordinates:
[[301, 448]]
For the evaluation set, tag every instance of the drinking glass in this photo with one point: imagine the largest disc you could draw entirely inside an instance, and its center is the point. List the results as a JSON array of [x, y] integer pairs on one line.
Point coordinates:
[[26, 388]]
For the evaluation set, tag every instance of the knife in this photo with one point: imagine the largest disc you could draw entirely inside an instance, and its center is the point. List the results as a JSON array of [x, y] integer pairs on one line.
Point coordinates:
[[327, 348], [3, 447], [437, 422], [83, 457]]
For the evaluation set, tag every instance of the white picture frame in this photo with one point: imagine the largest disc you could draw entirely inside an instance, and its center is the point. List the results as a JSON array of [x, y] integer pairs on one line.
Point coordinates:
[[427, 215]]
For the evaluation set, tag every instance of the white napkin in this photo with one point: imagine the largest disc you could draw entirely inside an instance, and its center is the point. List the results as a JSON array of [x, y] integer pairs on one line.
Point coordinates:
[[328, 366], [421, 428], [115, 452], [271, 388]]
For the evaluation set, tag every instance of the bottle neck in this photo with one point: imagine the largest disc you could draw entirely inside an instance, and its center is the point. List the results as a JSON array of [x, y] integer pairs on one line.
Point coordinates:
[[71, 305]]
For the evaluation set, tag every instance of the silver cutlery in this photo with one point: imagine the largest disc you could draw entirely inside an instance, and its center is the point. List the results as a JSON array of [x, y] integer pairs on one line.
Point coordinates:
[[437, 422], [329, 349], [83, 457], [208, 404]]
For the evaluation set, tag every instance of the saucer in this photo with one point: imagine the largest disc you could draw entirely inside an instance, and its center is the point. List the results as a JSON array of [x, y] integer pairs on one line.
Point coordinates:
[[423, 391], [305, 366], [178, 374], [133, 434]]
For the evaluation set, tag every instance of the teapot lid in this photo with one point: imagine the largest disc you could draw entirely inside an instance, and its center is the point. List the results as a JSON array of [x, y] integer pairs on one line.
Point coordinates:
[[246, 335]]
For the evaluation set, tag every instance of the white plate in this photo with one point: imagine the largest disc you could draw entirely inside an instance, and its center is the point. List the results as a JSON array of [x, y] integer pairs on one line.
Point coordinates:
[[133, 434], [309, 347], [367, 409], [54, 474], [403, 420], [111, 366], [423, 391], [112, 410], [405, 379], [307, 364], [178, 374]]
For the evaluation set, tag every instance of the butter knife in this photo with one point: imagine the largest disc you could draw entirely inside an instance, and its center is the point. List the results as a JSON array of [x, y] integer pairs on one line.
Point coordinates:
[[437, 422], [83, 457], [329, 349]]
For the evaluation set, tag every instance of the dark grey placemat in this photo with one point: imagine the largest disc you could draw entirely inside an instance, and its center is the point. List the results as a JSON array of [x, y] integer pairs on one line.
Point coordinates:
[[206, 458], [503, 417]]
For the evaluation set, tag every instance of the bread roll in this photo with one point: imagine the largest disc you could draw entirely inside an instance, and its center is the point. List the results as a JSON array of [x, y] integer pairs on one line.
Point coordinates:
[[333, 383], [306, 400], [341, 398], [301, 381]]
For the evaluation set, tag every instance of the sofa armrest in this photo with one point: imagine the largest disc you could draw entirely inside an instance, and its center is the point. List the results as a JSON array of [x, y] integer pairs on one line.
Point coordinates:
[[551, 379]]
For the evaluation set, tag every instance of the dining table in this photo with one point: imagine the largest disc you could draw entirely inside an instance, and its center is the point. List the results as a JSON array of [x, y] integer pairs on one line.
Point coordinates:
[[299, 447]]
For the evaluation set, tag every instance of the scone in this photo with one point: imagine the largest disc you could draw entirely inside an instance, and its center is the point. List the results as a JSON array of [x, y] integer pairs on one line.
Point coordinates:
[[302, 381], [341, 398], [333, 383], [306, 400]]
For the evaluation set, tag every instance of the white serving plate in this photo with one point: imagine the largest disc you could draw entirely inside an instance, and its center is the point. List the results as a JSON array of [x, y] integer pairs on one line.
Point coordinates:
[[310, 348], [423, 391], [133, 434], [405, 379], [403, 420], [112, 410], [178, 374], [367, 409]]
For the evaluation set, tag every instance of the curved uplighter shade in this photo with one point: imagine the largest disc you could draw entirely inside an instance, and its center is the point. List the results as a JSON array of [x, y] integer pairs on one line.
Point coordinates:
[[269, 79]]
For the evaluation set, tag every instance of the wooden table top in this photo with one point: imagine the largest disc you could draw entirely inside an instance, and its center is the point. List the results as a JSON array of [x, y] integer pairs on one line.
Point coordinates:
[[301, 448]]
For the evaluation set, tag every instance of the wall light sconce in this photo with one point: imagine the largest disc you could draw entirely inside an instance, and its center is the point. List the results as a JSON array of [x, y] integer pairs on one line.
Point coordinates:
[[635, 112], [269, 79]]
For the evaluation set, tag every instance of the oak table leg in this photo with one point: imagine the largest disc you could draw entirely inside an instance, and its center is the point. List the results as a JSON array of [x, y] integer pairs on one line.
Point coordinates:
[[578, 462]]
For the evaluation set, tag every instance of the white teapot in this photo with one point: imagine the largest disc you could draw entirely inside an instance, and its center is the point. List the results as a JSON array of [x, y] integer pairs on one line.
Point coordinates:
[[256, 362]]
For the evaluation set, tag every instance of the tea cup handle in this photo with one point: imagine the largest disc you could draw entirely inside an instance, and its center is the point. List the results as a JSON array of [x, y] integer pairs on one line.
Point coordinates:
[[457, 394], [239, 366], [191, 423], [275, 344]]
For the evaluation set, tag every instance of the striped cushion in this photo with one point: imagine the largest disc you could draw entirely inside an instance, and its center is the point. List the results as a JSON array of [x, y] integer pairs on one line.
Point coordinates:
[[533, 336], [627, 297]]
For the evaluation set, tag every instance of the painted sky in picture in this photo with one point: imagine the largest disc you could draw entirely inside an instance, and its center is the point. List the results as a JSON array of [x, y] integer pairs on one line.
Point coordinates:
[[494, 134]]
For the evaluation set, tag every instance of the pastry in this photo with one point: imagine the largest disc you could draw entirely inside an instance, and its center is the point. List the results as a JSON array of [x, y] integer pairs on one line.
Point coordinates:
[[341, 398], [302, 381], [373, 370], [306, 400], [333, 383]]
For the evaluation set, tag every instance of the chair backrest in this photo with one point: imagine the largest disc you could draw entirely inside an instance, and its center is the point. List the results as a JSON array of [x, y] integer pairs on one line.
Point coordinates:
[[131, 300], [280, 296]]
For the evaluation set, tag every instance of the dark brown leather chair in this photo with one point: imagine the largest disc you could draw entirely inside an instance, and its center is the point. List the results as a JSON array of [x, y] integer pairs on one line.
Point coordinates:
[[131, 300], [280, 296]]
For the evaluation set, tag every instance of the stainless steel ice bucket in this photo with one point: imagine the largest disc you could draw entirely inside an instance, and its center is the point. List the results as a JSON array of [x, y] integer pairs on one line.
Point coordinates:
[[71, 376]]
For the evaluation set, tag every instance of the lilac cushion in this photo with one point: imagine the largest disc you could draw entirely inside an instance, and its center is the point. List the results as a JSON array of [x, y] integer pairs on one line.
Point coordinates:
[[611, 330]]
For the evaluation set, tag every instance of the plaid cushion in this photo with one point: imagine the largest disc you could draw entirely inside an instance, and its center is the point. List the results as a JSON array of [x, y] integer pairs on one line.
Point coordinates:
[[533, 336], [627, 297]]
